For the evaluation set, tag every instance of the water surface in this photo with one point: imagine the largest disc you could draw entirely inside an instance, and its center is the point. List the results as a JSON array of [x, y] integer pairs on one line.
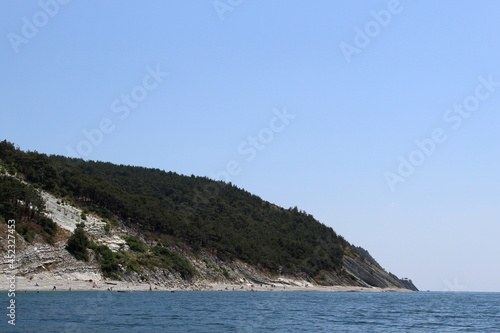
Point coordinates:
[[253, 312]]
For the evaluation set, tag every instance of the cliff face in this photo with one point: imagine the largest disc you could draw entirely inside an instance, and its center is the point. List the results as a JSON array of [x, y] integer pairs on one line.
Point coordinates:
[[41, 260], [408, 284], [366, 274]]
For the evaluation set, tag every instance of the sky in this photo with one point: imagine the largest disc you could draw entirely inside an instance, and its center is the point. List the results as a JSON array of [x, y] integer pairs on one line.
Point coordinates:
[[379, 118]]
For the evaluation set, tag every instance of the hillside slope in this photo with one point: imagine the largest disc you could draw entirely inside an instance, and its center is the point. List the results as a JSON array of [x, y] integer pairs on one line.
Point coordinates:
[[149, 224]]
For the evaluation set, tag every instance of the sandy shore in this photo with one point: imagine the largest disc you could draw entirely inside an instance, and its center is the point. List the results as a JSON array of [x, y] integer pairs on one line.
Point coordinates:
[[24, 284]]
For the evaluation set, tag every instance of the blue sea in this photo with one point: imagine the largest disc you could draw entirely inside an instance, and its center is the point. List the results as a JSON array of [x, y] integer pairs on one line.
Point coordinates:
[[253, 312]]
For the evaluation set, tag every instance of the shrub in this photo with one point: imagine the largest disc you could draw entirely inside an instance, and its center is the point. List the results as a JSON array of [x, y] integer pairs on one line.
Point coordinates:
[[174, 262], [48, 225], [109, 265], [78, 244], [135, 244], [225, 273], [25, 231], [133, 268]]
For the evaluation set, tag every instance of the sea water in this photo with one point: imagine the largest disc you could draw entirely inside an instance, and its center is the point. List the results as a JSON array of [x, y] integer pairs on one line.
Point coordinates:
[[253, 312]]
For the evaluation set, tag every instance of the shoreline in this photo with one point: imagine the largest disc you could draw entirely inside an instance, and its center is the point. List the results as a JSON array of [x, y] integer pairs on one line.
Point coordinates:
[[29, 285]]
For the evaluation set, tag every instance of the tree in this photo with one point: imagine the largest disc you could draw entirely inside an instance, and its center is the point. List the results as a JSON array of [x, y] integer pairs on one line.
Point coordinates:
[[78, 244]]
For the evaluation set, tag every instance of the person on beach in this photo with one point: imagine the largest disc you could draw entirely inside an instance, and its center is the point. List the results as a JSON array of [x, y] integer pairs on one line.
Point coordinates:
[[54, 288]]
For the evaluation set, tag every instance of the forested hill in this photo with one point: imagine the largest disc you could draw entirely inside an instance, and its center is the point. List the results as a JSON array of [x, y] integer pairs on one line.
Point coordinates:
[[195, 211]]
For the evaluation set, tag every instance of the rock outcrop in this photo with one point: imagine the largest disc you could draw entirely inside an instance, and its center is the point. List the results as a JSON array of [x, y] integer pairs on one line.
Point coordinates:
[[40, 260]]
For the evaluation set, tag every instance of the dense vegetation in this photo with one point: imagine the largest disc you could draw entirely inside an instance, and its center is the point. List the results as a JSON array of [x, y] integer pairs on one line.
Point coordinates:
[[196, 211], [22, 203], [78, 243]]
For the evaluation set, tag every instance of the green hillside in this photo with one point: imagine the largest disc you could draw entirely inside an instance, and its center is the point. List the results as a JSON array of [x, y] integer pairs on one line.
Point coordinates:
[[194, 211]]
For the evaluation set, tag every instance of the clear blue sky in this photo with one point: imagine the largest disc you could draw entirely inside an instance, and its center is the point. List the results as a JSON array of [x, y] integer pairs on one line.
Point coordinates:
[[359, 88]]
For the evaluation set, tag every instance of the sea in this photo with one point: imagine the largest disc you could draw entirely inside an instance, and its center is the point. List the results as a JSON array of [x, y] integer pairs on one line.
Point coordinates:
[[54, 311]]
